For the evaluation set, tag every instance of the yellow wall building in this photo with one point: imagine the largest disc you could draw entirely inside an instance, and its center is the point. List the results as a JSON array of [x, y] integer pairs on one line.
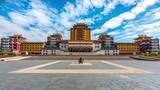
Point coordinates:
[[79, 32], [128, 48], [80, 38], [32, 47]]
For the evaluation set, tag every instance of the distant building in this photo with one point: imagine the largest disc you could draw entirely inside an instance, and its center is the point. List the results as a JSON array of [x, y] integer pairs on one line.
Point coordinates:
[[144, 42], [106, 40], [54, 40], [108, 45], [15, 43], [0, 47], [32, 48], [128, 48], [147, 44], [154, 45], [52, 44], [5, 45]]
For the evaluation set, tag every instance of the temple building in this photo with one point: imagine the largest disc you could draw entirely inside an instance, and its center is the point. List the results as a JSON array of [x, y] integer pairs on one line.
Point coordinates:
[[80, 39], [147, 44], [144, 42], [80, 32]]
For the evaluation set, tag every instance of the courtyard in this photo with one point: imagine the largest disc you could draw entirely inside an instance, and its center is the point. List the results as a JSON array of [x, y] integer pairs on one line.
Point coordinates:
[[29, 74]]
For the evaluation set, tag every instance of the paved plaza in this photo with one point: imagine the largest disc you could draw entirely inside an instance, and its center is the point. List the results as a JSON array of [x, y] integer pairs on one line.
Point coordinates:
[[69, 75]]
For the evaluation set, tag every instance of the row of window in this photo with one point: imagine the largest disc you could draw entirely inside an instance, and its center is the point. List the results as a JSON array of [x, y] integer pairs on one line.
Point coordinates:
[[128, 48]]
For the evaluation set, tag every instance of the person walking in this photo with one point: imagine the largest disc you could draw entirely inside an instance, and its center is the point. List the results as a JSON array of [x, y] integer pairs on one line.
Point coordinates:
[[80, 61]]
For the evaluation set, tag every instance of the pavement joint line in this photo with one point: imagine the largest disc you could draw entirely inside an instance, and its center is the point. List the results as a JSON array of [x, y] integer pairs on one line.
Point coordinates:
[[35, 69]]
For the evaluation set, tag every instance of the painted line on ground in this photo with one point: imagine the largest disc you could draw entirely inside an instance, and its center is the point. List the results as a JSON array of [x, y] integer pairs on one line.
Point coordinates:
[[126, 67], [15, 58], [36, 69]]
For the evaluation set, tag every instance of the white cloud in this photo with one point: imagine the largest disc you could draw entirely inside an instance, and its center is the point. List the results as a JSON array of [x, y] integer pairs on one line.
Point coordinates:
[[43, 17], [12, 28], [129, 2], [117, 21], [48, 21], [21, 19], [149, 24], [152, 27], [113, 3], [108, 7], [40, 17], [98, 3], [17, 2], [8, 27], [38, 14], [114, 33]]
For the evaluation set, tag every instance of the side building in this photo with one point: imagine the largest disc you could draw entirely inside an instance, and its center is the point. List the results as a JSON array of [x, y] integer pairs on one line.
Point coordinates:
[[54, 40], [5, 45], [108, 45], [154, 46], [128, 48], [144, 42], [147, 44], [32, 48], [52, 44], [15, 43]]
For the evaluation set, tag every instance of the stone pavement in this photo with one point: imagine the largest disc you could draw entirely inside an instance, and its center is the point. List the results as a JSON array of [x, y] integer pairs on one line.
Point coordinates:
[[68, 75]]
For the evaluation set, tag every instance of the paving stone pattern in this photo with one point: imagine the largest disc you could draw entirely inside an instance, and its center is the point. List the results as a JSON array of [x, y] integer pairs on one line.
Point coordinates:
[[21, 81]]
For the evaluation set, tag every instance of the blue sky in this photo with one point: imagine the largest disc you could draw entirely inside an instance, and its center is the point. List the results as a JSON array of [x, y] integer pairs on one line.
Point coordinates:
[[122, 19]]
